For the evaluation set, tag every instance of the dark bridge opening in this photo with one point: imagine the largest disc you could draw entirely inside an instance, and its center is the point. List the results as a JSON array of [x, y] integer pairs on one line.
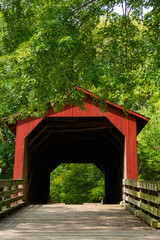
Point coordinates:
[[58, 140]]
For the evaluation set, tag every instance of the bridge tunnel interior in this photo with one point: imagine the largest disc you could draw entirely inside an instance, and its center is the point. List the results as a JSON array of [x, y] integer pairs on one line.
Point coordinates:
[[73, 140]]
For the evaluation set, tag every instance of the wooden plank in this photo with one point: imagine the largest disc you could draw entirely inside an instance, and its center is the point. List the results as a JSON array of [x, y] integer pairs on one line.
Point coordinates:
[[76, 130], [116, 136], [131, 151], [49, 129], [37, 135], [12, 209], [79, 222], [114, 143], [65, 112], [76, 122], [40, 142], [11, 200], [142, 184], [37, 153], [10, 182], [151, 221], [128, 174], [10, 192], [133, 148], [24, 127], [144, 206], [147, 197]]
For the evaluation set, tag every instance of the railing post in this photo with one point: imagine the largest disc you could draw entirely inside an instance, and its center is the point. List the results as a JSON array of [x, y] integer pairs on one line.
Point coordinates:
[[143, 199], [1, 198], [159, 196], [10, 196]]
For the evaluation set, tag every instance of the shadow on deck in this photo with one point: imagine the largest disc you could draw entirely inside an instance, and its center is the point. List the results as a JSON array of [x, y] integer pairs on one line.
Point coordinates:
[[73, 222]]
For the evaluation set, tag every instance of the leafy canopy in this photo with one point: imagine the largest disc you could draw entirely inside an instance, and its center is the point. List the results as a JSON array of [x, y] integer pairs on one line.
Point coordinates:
[[76, 184], [49, 47]]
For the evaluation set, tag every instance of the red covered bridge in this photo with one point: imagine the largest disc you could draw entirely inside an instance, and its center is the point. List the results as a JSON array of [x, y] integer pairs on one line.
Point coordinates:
[[108, 140]]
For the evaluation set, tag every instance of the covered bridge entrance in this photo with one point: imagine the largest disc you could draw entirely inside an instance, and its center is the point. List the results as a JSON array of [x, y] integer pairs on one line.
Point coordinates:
[[107, 140]]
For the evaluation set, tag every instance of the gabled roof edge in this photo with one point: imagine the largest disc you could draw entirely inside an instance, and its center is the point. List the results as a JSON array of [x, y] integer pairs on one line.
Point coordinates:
[[115, 105], [141, 119]]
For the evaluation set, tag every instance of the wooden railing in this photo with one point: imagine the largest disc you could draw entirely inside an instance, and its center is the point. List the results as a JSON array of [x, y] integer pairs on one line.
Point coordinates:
[[143, 199], [11, 196]]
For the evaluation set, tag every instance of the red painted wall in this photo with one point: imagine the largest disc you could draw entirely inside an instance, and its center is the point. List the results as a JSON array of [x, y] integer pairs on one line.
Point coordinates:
[[126, 125]]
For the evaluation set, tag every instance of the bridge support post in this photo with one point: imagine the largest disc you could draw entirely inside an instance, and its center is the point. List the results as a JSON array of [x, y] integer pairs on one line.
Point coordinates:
[[39, 182], [113, 184]]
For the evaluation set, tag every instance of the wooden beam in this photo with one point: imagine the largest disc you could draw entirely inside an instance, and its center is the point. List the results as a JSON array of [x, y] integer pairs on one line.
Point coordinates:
[[73, 148], [81, 121], [40, 142], [75, 130], [110, 140], [99, 167], [72, 137], [44, 147], [33, 139], [116, 136]]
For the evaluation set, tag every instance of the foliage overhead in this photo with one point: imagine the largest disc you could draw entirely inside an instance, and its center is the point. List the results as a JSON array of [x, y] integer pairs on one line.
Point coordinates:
[[47, 47], [6, 152]]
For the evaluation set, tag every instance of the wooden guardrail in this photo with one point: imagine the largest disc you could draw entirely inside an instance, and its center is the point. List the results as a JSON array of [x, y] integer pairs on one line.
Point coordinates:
[[11, 196], [143, 199]]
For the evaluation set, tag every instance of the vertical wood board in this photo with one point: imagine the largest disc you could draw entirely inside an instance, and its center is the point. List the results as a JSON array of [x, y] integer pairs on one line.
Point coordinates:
[[127, 125]]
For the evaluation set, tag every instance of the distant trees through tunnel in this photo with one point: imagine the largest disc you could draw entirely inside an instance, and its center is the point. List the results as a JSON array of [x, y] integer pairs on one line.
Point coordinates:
[[76, 184]]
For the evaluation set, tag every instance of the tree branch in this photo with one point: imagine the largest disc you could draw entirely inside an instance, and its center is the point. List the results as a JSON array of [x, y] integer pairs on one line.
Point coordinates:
[[129, 10], [145, 100], [84, 5]]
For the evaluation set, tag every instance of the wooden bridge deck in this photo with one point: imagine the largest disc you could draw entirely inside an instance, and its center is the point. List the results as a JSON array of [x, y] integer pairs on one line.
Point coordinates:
[[73, 222]]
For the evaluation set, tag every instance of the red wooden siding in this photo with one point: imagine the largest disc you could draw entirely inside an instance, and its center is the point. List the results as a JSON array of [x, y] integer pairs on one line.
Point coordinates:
[[127, 125], [24, 127]]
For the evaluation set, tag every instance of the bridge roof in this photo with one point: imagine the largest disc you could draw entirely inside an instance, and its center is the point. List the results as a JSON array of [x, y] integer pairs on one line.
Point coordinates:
[[141, 119]]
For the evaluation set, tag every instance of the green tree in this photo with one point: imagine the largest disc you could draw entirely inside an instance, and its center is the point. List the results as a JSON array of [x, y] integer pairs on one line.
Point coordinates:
[[6, 152], [62, 48], [48, 47], [149, 146], [76, 184]]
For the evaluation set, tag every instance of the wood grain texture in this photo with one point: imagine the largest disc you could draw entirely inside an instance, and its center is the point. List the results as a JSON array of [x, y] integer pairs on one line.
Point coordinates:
[[143, 195], [126, 124]]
